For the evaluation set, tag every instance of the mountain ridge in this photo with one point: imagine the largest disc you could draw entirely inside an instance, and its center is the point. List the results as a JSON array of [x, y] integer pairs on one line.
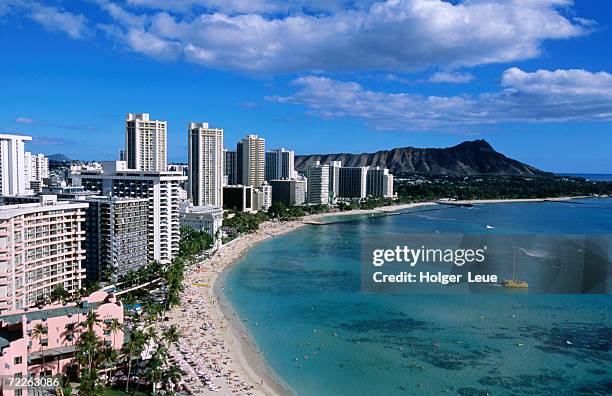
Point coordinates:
[[58, 157], [467, 158]]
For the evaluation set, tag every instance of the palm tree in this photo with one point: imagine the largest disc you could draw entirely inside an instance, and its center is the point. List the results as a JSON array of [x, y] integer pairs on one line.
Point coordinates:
[[150, 337], [92, 319], [88, 345], [171, 335], [171, 376], [59, 293], [115, 327], [108, 359], [134, 347], [38, 332], [155, 366], [90, 383], [69, 333]]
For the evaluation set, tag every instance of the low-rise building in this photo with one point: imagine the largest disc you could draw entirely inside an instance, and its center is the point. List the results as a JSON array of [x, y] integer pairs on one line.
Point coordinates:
[[262, 197], [238, 198], [289, 192], [24, 353], [207, 218]]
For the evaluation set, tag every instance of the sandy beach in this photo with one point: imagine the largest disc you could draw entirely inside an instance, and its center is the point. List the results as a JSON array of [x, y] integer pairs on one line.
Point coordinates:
[[215, 349]]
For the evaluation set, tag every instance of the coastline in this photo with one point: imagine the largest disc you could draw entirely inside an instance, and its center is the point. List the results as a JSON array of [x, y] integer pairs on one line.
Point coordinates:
[[204, 284], [244, 369], [517, 200]]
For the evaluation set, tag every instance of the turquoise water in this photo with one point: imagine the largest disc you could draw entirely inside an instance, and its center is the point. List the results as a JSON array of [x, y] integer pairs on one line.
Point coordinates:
[[299, 296]]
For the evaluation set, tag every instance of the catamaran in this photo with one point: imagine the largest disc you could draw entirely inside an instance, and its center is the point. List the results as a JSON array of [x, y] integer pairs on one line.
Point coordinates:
[[514, 283]]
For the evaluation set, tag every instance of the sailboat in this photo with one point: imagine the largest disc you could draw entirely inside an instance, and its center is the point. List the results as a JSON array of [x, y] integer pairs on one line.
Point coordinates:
[[514, 283]]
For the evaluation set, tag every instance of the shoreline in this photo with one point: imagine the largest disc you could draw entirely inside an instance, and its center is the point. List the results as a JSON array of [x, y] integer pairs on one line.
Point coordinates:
[[516, 200], [204, 285]]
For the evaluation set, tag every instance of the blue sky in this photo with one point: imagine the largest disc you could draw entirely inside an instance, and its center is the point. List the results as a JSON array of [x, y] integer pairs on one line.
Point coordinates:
[[530, 76]]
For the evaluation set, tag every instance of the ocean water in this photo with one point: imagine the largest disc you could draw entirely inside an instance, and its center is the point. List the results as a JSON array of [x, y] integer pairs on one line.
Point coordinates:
[[299, 296], [592, 176]]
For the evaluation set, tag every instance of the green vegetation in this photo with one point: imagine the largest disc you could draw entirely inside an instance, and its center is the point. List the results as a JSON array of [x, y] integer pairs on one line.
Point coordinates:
[[162, 291], [281, 212], [244, 222], [369, 203], [93, 357], [193, 242], [424, 188], [115, 392]]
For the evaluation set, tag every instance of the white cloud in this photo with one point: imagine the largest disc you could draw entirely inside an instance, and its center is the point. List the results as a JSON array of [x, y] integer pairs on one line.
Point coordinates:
[[24, 120], [55, 20], [450, 77], [541, 96], [51, 18], [151, 45], [573, 82], [37, 122], [396, 35]]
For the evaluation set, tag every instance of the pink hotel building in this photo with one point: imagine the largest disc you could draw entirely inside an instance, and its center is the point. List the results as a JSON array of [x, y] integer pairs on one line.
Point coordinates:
[[41, 247], [22, 355]]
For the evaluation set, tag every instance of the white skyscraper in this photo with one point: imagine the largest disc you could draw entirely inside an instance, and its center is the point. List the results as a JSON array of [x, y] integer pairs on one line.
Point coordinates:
[[145, 143], [318, 183], [162, 189], [13, 179], [334, 178], [250, 161], [205, 164], [37, 166]]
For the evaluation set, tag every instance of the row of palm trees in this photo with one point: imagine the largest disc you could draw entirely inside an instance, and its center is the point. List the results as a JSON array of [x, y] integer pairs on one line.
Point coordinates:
[[158, 369], [97, 362]]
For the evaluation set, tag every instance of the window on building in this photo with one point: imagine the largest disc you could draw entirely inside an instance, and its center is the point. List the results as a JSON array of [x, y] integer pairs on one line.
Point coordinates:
[[18, 360]]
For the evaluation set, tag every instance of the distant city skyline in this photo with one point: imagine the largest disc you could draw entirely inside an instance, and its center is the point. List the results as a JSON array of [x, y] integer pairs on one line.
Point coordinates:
[[533, 79]]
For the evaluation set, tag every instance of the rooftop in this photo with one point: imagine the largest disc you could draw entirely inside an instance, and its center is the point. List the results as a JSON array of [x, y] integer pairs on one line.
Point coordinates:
[[44, 314]]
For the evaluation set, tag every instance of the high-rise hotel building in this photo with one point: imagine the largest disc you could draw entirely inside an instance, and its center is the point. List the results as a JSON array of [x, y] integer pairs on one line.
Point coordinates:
[[41, 247], [379, 182], [318, 183], [145, 143], [161, 189], [13, 173], [36, 166], [334, 178], [280, 164], [205, 164], [352, 182], [116, 238], [230, 172], [251, 161]]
